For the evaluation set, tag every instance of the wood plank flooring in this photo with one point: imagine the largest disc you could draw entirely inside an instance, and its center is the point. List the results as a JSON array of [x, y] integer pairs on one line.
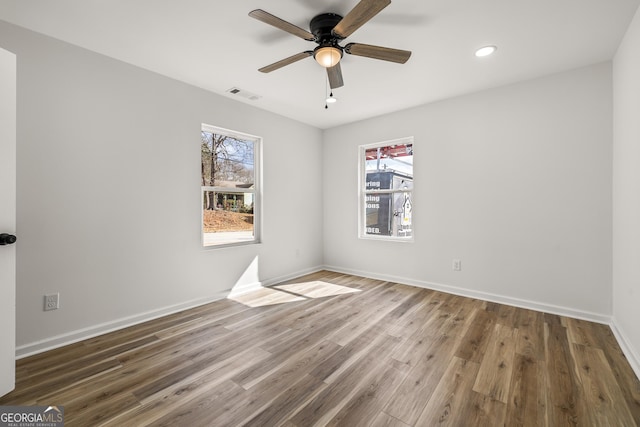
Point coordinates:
[[340, 350]]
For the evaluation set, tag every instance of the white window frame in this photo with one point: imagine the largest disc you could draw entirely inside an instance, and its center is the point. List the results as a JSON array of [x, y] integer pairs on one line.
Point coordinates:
[[256, 190], [363, 192]]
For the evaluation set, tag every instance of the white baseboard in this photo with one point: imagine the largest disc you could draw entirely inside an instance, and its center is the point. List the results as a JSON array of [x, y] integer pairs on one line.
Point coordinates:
[[241, 290], [280, 279], [627, 348], [103, 328], [92, 331], [485, 296]]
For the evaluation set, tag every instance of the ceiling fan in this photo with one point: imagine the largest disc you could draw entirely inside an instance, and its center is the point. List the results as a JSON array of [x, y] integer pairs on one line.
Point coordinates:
[[328, 30]]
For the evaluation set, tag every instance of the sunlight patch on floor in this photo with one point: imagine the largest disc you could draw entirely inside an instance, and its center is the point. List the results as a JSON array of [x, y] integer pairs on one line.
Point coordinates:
[[292, 292]]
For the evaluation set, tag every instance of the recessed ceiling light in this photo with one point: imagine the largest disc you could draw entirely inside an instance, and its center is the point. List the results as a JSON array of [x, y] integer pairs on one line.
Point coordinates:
[[485, 51]]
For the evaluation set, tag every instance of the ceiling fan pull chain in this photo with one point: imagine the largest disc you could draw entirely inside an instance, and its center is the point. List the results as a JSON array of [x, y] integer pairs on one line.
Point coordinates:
[[326, 88]]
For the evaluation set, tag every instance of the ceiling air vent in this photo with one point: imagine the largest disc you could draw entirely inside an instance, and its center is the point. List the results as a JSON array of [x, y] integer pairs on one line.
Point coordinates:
[[243, 93]]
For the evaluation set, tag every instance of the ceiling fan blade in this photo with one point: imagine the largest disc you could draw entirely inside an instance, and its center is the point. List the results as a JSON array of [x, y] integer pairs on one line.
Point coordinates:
[[281, 24], [378, 52], [358, 16], [335, 76], [290, 60]]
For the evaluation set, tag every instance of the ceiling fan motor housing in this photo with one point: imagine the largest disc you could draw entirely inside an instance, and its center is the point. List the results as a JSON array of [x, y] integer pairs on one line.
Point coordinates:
[[321, 27]]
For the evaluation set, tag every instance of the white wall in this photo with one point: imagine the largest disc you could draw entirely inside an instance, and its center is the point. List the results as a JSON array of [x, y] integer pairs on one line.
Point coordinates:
[[514, 181], [626, 192], [109, 197]]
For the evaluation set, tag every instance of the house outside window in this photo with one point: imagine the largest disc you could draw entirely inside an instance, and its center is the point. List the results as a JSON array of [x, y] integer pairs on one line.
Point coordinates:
[[386, 190], [230, 187]]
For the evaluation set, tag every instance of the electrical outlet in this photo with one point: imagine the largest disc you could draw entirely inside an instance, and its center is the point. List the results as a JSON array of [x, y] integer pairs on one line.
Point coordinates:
[[457, 265], [52, 302]]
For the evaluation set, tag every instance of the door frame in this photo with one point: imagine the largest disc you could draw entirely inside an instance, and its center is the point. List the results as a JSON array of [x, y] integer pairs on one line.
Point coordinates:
[[8, 67]]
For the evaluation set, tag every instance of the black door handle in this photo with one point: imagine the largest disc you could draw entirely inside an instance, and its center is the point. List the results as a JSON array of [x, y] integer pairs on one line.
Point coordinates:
[[7, 239]]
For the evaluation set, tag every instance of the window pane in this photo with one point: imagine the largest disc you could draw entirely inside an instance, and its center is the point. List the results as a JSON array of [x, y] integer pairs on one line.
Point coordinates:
[[393, 157], [231, 218], [388, 214], [227, 161]]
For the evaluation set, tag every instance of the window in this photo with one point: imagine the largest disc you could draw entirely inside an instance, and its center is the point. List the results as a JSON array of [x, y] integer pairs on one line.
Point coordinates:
[[230, 187], [386, 190]]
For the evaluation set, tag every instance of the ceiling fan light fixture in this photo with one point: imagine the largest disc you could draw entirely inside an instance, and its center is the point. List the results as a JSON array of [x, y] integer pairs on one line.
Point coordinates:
[[331, 99], [485, 51], [327, 56]]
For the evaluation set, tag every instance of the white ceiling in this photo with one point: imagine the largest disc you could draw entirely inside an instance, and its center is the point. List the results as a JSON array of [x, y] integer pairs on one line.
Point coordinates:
[[215, 45]]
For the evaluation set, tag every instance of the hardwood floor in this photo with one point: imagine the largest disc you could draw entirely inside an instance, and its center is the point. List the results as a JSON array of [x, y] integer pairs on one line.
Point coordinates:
[[333, 349]]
